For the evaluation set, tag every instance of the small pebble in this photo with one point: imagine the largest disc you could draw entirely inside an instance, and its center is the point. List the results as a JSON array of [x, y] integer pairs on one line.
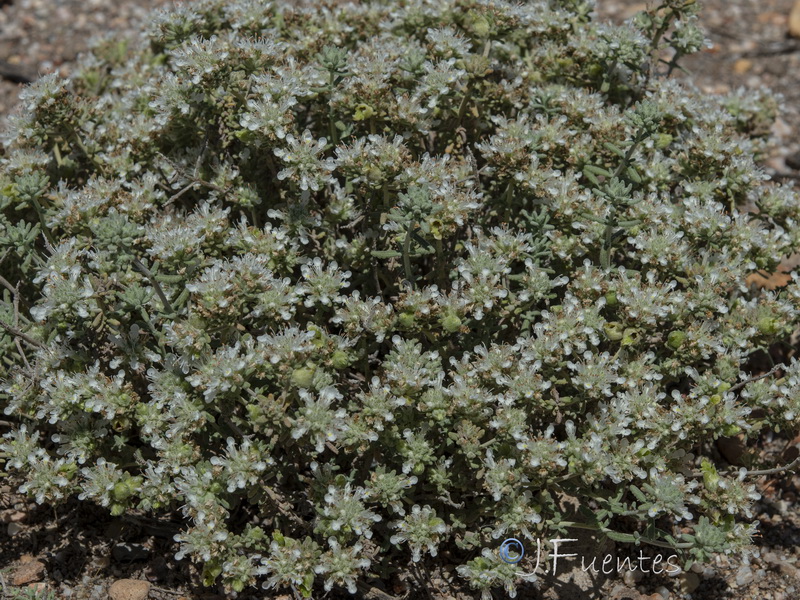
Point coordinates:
[[129, 589], [689, 582], [744, 576], [663, 592], [788, 570], [794, 20], [742, 66], [28, 572], [709, 573], [14, 528], [631, 578], [15, 517]]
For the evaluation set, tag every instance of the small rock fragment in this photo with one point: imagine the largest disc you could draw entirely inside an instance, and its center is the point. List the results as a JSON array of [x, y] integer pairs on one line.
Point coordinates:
[[788, 569], [129, 589], [14, 528], [631, 578], [689, 582], [742, 66], [622, 592], [14, 516], [99, 563], [673, 571], [709, 573], [28, 573], [794, 20], [744, 576]]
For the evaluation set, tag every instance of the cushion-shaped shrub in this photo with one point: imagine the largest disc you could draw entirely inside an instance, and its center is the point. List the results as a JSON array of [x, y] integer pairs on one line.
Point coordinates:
[[355, 286]]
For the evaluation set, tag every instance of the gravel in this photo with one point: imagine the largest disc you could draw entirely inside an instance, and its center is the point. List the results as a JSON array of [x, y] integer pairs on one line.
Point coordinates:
[[38, 37], [751, 48]]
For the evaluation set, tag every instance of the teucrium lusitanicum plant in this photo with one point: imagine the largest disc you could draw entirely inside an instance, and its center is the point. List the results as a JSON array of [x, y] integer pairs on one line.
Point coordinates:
[[355, 288]]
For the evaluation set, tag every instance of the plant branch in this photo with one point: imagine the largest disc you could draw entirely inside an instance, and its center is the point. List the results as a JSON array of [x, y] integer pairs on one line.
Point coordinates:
[[154, 282], [22, 335], [741, 384], [645, 540], [792, 465]]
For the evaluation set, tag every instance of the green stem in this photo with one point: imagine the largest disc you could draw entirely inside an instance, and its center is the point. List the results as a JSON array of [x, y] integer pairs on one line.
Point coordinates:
[[57, 154], [331, 124], [627, 158], [45, 229], [652, 542], [149, 323], [463, 108], [23, 336], [154, 282], [440, 279], [407, 254], [271, 165]]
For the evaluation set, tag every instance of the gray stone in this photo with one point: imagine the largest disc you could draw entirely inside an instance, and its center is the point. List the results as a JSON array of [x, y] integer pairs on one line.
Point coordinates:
[[129, 589], [744, 576], [631, 578], [788, 569], [689, 582], [14, 528], [709, 573]]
